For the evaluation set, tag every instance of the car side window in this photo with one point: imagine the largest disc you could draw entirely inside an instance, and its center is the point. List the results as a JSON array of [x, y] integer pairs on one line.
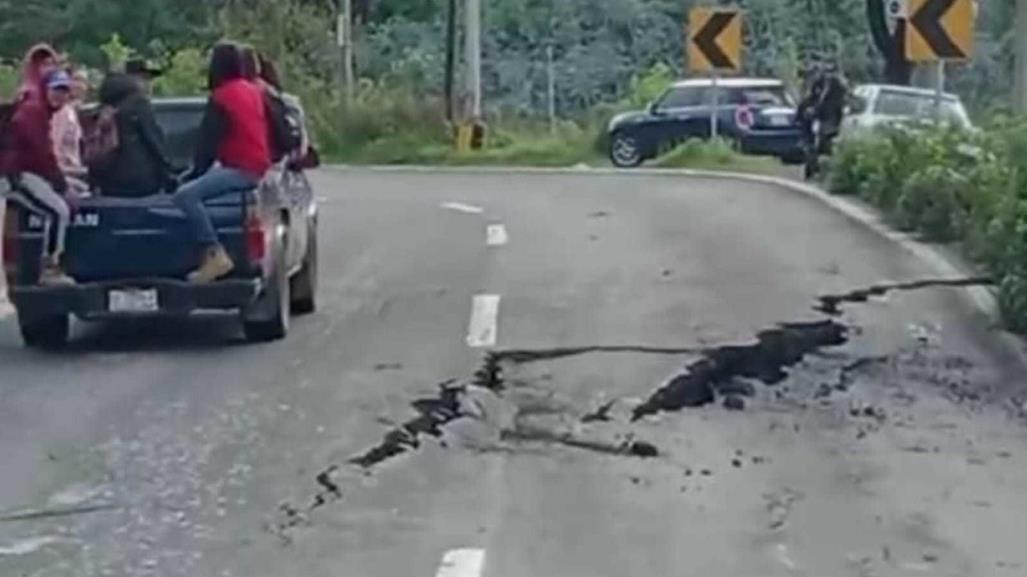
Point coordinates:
[[732, 96], [683, 97]]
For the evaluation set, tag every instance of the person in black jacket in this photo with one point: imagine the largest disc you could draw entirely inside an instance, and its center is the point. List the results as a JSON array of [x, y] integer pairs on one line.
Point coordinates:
[[139, 165]]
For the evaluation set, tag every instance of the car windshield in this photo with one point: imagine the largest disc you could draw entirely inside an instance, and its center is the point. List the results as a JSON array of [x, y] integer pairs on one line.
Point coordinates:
[[918, 106]]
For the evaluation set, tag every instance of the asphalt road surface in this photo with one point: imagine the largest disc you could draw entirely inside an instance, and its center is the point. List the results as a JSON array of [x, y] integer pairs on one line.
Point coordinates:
[[528, 375]]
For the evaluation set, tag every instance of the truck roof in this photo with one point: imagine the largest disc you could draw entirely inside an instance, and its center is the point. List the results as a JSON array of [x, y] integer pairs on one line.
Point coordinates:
[[180, 101]]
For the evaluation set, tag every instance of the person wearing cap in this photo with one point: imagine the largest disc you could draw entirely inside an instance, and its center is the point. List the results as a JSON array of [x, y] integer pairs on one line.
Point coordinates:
[[139, 165], [67, 133], [32, 176], [145, 71]]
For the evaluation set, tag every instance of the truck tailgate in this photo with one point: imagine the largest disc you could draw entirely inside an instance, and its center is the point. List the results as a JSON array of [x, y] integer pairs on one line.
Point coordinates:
[[122, 238]]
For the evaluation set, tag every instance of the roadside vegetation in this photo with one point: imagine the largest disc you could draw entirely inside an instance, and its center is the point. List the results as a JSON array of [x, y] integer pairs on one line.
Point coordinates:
[[950, 186], [608, 56]]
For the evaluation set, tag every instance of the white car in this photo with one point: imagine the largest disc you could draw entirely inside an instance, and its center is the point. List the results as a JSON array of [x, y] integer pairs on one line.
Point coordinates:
[[882, 104]]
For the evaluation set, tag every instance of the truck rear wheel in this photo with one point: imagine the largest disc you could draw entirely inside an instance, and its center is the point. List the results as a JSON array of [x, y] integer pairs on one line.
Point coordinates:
[[304, 285], [268, 319], [49, 332]]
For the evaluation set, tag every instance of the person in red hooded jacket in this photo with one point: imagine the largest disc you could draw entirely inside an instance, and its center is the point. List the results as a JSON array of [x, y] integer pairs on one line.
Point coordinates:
[[39, 61], [29, 172]]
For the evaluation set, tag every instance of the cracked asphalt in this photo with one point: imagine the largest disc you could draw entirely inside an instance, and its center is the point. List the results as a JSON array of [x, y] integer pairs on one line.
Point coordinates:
[[516, 375]]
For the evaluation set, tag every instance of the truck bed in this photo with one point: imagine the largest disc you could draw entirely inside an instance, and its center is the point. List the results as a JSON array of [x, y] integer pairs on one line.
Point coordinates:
[[114, 239]]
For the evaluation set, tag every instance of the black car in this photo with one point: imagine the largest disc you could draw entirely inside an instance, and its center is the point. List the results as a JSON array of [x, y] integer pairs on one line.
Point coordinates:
[[758, 115], [130, 255]]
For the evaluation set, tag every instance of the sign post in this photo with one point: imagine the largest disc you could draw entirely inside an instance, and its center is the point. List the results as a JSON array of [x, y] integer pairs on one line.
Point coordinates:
[[940, 31], [715, 117], [715, 46]]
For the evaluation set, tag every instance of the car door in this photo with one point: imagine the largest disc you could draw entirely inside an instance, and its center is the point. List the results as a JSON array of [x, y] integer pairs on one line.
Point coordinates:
[[681, 114]]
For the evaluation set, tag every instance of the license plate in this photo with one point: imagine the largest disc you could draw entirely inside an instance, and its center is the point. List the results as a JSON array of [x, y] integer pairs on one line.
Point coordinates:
[[132, 301], [779, 121]]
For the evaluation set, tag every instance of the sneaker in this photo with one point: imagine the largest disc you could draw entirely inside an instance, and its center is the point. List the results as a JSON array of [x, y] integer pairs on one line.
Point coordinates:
[[216, 264], [53, 276]]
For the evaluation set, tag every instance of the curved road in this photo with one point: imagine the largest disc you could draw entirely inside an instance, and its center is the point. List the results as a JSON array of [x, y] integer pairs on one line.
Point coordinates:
[[886, 440]]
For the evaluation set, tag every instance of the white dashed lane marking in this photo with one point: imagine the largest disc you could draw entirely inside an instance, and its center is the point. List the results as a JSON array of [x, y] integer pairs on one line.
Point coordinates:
[[464, 208], [482, 332], [462, 563], [495, 235]]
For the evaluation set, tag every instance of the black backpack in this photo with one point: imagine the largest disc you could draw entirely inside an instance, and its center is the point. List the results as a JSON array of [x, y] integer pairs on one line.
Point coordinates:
[[286, 137]]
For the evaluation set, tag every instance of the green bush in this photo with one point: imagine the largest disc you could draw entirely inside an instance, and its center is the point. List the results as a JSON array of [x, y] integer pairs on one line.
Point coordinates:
[[185, 74], [854, 163], [9, 78], [950, 185], [931, 202]]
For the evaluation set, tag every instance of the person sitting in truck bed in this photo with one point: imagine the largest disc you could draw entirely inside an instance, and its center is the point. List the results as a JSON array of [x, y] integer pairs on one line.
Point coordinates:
[[31, 175], [139, 164], [234, 133], [39, 61]]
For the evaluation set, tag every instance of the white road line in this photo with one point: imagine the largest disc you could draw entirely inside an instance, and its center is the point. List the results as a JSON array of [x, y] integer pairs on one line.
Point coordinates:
[[483, 329], [464, 208], [462, 563], [495, 235]]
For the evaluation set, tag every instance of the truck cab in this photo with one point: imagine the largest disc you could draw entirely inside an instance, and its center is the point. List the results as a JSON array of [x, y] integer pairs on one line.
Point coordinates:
[[130, 255]]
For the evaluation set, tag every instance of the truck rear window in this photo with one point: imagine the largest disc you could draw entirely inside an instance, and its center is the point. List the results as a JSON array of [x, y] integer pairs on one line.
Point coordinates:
[[181, 127]]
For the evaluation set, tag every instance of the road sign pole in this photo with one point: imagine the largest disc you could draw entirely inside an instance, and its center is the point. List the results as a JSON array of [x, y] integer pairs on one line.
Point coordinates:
[[472, 9], [715, 116], [939, 90], [345, 40]]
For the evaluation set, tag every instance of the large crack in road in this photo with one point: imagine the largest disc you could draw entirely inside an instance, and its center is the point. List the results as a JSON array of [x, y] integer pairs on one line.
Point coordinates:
[[766, 360], [719, 371]]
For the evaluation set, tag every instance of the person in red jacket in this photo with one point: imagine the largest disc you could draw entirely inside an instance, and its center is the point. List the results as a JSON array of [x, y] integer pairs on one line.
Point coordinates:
[[234, 134], [39, 61], [33, 177]]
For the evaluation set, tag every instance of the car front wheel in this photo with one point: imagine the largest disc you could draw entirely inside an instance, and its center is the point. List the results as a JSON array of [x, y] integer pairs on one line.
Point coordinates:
[[625, 151]]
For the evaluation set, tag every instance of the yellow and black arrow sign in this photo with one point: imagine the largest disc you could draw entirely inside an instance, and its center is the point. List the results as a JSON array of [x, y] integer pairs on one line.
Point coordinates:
[[715, 39], [940, 30]]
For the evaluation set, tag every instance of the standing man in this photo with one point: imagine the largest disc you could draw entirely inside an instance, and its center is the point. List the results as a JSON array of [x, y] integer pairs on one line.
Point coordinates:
[[30, 171]]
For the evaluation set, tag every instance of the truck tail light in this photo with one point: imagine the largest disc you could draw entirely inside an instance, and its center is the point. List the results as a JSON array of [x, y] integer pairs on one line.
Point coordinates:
[[744, 118], [256, 237]]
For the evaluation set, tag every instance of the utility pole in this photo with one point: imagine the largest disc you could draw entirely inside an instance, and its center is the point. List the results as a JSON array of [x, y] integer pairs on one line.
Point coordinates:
[[551, 89], [473, 58], [450, 59], [344, 36], [1020, 48]]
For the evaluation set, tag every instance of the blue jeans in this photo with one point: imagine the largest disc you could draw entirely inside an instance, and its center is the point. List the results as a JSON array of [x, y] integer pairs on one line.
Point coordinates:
[[215, 182]]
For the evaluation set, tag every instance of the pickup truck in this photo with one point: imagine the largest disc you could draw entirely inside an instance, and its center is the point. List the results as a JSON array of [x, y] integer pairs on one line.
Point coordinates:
[[130, 256]]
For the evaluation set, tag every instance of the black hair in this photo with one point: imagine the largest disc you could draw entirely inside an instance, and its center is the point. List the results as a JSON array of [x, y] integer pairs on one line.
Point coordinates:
[[250, 62], [225, 65], [269, 72]]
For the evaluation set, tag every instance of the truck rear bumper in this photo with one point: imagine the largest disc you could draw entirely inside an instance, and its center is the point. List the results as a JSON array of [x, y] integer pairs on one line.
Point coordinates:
[[174, 298]]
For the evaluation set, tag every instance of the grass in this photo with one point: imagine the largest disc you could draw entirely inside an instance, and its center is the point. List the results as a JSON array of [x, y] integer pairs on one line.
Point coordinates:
[[568, 147], [717, 155]]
